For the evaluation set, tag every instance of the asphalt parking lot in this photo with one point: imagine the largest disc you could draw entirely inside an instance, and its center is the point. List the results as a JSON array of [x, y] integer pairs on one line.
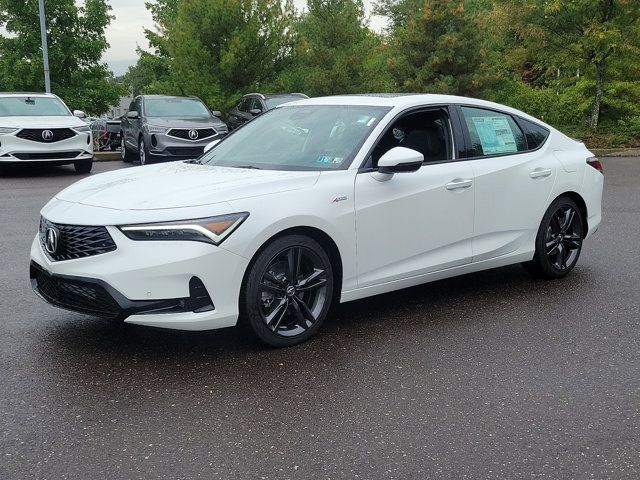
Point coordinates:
[[490, 375]]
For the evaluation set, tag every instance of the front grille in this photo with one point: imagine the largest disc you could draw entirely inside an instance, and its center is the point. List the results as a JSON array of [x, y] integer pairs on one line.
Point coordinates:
[[46, 155], [83, 297], [184, 133], [76, 241], [36, 134], [186, 151]]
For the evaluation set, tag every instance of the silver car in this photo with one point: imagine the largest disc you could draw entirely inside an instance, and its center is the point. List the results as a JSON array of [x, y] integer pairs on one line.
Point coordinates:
[[161, 128]]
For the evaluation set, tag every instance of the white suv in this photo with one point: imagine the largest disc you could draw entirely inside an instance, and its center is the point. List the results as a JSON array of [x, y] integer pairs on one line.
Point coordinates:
[[38, 127]]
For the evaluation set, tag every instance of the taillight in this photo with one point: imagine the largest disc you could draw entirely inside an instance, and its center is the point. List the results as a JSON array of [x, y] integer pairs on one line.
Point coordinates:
[[595, 163]]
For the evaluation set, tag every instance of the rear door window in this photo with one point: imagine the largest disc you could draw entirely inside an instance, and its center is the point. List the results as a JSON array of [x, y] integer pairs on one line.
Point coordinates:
[[492, 133]]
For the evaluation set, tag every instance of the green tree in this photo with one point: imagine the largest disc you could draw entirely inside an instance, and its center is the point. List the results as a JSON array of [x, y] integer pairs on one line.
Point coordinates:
[[336, 52], [439, 50], [589, 36], [220, 49], [76, 43]]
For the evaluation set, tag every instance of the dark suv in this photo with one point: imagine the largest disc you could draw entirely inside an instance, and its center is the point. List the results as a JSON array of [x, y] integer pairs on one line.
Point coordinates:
[[160, 127], [254, 104]]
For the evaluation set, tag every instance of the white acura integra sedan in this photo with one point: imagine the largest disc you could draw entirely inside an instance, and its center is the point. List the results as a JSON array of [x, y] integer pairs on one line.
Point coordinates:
[[319, 201]]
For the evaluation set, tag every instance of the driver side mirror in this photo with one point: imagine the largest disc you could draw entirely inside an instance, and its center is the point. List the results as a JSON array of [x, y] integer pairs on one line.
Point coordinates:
[[398, 160], [216, 113], [210, 145], [132, 114], [255, 111], [79, 114]]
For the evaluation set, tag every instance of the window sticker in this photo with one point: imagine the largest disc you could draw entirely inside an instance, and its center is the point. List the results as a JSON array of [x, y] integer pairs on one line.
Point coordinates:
[[328, 159], [495, 135]]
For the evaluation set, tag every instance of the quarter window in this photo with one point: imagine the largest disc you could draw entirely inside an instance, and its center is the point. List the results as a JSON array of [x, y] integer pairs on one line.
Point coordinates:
[[492, 133], [535, 134]]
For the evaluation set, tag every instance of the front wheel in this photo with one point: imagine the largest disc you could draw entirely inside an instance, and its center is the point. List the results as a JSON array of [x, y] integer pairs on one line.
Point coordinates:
[[559, 240], [288, 291], [125, 155]]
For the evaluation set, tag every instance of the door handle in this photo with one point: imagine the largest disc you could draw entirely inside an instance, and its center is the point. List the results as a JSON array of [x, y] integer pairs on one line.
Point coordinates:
[[540, 173], [459, 183]]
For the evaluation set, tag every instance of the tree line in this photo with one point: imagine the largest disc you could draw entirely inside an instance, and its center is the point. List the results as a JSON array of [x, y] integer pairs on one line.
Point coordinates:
[[573, 63]]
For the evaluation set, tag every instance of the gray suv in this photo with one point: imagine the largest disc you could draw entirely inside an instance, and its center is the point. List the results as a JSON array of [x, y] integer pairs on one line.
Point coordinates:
[[160, 127]]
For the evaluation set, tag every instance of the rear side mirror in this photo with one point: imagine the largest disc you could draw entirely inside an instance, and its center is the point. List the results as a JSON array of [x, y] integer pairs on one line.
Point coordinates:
[[132, 114], [216, 113], [398, 160], [209, 146], [255, 111], [79, 114]]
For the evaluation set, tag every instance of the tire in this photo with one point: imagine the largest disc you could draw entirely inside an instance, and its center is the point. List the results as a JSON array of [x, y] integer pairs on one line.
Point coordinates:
[[83, 166], [144, 157], [125, 154], [280, 311], [559, 240]]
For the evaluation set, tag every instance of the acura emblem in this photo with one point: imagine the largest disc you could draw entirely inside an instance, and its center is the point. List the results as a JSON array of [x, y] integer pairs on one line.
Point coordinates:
[[193, 134], [47, 135], [51, 240]]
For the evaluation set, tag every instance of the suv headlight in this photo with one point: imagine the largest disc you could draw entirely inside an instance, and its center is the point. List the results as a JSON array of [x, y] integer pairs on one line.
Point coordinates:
[[82, 128], [7, 129], [155, 129], [209, 230]]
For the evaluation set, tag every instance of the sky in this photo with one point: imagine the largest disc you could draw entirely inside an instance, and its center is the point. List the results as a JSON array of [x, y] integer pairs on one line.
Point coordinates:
[[126, 31]]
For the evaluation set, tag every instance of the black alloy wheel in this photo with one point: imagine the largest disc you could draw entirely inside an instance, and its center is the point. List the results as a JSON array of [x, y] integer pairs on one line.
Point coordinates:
[[289, 291], [559, 240]]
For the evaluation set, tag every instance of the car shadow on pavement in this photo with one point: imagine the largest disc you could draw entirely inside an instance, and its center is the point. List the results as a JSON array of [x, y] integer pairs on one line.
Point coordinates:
[[86, 346], [39, 170]]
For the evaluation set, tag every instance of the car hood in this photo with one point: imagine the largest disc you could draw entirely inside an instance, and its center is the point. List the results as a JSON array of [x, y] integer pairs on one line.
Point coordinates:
[[184, 122], [59, 121], [179, 185]]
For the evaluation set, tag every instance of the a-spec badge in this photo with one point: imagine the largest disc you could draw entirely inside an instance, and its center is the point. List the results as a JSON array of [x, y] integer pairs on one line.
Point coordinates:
[[339, 199]]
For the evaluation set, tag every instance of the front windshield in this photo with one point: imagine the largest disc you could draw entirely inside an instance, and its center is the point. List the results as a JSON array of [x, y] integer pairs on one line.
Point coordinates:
[[175, 107], [302, 137], [32, 106]]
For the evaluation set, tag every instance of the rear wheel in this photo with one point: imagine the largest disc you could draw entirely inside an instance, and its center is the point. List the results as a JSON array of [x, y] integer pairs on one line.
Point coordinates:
[[83, 166], [288, 291], [559, 240], [125, 154]]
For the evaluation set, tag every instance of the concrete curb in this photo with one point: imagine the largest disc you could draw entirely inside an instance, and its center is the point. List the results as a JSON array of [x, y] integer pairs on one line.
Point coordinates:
[[616, 152], [106, 156]]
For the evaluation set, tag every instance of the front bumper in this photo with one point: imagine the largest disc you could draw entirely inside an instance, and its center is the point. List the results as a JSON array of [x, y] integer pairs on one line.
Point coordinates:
[[163, 146], [17, 150], [146, 283]]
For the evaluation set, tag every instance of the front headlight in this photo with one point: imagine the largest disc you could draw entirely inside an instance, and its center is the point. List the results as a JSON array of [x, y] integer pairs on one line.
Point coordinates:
[[154, 129], [209, 230], [82, 128], [7, 129]]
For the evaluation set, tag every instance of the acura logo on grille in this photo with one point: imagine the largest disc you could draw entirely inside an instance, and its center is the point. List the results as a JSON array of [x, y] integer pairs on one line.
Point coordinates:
[[47, 135], [51, 240], [193, 134]]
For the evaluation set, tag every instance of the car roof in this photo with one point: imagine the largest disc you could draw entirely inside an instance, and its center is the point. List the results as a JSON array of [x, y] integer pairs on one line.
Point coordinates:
[[30, 94], [170, 96], [408, 100], [275, 95]]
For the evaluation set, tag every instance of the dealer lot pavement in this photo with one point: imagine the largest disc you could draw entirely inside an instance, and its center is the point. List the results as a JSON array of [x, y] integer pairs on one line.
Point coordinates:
[[490, 375]]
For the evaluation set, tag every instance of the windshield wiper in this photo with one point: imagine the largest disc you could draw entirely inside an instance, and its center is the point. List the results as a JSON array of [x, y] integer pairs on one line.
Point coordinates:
[[252, 167]]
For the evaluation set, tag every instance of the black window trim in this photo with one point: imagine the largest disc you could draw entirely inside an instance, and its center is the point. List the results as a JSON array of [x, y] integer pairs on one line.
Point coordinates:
[[467, 137], [454, 132], [519, 121]]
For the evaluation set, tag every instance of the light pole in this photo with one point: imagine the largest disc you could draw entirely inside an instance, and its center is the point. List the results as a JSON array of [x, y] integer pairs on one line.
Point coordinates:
[[45, 51]]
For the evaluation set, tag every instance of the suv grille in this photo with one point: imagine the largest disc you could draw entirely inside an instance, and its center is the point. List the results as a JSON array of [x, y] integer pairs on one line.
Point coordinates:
[[35, 134], [76, 241], [184, 133], [73, 295]]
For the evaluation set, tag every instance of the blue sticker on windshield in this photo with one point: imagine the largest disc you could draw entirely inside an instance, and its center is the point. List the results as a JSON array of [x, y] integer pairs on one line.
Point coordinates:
[[330, 160]]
